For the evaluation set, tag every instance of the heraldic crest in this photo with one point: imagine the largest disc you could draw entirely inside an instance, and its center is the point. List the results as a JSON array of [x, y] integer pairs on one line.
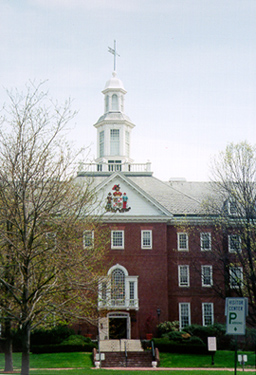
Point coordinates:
[[117, 202]]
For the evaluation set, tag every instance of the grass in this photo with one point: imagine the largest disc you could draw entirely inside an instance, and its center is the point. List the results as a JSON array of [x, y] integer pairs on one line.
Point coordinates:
[[222, 358], [82, 364]]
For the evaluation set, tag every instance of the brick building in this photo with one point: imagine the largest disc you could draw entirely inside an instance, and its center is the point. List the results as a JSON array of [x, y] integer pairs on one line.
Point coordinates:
[[158, 253]]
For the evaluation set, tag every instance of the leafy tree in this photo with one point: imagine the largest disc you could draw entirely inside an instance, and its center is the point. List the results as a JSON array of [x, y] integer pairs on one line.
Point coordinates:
[[45, 269]]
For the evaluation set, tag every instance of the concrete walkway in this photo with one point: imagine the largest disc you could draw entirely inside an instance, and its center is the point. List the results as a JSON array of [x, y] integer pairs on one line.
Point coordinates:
[[176, 369]]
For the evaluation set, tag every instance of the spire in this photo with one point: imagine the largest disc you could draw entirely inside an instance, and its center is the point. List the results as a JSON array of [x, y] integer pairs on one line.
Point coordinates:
[[113, 51]]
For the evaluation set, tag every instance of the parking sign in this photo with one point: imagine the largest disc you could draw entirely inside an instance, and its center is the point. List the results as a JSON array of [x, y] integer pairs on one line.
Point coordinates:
[[236, 310]]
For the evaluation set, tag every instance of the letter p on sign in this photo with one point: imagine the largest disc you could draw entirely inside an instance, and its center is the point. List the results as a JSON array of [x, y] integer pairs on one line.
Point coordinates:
[[232, 316]]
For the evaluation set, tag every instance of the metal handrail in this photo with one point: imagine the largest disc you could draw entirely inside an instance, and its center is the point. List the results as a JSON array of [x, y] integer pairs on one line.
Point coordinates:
[[153, 350], [126, 355]]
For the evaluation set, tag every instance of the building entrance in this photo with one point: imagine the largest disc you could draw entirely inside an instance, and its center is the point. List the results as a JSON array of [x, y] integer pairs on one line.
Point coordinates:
[[119, 326]]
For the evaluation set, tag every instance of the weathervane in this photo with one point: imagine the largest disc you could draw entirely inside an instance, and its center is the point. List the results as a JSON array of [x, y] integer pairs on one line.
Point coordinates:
[[113, 51]]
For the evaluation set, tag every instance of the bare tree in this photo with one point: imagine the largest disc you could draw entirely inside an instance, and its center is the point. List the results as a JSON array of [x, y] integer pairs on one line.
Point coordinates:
[[233, 220], [43, 213]]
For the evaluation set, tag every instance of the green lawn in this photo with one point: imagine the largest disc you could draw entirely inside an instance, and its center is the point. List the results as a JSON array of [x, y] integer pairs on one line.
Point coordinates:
[[82, 364]]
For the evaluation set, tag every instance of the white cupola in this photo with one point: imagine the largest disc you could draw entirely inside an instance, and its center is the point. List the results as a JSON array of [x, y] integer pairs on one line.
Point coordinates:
[[113, 129]]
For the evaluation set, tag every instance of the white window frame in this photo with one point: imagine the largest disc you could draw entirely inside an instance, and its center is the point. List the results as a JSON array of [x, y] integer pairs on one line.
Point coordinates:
[[179, 241], [203, 267], [115, 141], [202, 241], [232, 207], [183, 304], [130, 300], [117, 247], [143, 232], [230, 241], [232, 283], [206, 316], [86, 235], [51, 236], [182, 283]]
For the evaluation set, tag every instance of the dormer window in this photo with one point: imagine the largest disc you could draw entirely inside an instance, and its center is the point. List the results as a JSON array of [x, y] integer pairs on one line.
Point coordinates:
[[232, 207], [114, 102]]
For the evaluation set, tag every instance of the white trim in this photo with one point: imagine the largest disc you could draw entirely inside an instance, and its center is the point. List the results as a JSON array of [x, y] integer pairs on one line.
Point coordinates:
[[104, 296], [113, 247], [182, 284], [85, 232], [202, 241], [179, 241], [232, 281], [203, 313], [231, 249], [149, 247], [180, 315], [203, 266]]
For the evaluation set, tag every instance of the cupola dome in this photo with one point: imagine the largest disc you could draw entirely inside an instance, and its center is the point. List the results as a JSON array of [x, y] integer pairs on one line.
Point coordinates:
[[114, 83]]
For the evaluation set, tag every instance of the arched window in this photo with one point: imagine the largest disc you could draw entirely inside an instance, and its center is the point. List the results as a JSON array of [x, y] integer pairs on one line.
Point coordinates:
[[114, 103], [118, 289], [118, 285]]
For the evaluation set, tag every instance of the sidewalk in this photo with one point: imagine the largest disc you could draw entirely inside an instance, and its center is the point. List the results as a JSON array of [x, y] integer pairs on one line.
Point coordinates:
[[176, 369]]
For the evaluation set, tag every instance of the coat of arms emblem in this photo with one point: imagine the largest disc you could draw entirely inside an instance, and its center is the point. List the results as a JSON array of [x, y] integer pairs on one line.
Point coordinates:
[[117, 201]]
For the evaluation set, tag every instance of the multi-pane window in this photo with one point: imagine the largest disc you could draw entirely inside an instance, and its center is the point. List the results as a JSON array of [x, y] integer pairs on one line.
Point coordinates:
[[232, 207], [207, 314], [118, 287], [234, 243], [235, 277], [205, 241], [127, 143], [103, 292], [118, 290], [184, 314], [101, 141], [183, 275], [132, 292], [117, 239], [51, 240], [146, 239], [206, 275], [182, 241], [88, 238], [114, 142]]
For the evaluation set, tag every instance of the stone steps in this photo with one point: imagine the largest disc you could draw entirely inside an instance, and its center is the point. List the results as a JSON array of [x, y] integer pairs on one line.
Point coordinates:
[[133, 359]]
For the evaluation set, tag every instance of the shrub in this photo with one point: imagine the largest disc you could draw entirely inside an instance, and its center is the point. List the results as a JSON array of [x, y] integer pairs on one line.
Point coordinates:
[[193, 345], [53, 335], [38, 349], [224, 342], [76, 340], [73, 343], [167, 327]]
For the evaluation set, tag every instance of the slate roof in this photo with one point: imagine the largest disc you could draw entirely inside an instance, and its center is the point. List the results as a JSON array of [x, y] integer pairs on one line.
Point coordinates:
[[178, 197]]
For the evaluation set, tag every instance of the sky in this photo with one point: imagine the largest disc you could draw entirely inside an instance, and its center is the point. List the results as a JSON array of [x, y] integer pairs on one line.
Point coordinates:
[[189, 68]]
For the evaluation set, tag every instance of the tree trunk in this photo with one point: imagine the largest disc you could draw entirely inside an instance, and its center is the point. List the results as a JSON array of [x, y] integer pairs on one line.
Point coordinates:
[[8, 346], [25, 348]]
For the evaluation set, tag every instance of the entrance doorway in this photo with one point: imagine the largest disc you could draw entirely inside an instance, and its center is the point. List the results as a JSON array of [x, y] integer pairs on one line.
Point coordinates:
[[119, 326]]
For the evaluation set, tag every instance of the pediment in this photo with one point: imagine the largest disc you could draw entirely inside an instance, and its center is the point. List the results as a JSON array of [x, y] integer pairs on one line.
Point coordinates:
[[121, 197]]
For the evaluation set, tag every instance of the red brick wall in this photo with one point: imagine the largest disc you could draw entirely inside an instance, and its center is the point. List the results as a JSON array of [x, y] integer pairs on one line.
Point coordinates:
[[151, 267]]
